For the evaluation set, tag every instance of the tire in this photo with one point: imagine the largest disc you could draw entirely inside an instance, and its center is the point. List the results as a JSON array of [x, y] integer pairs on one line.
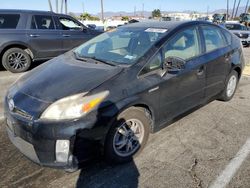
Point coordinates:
[[16, 60], [116, 134], [233, 78]]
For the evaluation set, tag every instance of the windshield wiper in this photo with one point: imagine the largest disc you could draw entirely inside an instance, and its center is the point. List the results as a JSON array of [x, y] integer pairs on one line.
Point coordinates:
[[102, 61], [79, 58], [86, 58]]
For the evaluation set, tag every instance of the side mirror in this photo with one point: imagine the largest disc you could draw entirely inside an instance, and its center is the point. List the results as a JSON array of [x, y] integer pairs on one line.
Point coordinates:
[[174, 64]]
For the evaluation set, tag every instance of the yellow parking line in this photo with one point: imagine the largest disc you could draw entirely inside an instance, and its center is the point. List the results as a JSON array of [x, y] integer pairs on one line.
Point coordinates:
[[247, 70]]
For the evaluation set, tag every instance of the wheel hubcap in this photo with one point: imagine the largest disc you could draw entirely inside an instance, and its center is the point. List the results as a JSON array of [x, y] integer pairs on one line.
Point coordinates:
[[231, 86], [17, 61], [128, 137]]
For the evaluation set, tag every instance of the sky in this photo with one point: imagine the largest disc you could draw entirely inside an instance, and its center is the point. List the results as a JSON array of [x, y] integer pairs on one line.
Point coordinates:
[[93, 6]]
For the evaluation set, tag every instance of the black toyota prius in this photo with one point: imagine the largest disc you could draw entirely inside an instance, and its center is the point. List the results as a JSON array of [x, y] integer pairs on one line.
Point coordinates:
[[111, 92]]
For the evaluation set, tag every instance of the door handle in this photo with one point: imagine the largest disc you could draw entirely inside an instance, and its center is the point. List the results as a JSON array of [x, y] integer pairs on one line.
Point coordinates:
[[34, 35], [201, 70], [66, 35]]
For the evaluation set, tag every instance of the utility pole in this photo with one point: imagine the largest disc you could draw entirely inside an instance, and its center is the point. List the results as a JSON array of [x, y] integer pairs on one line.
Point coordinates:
[[233, 9], [56, 6], [50, 6], [102, 11], [207, 10], [237, 8], [227, 10], [142, 10], [62, 6], [66, 7]]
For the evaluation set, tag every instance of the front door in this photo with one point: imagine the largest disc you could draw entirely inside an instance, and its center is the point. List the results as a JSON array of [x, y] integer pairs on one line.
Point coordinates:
[[73, 33], [184, 89]]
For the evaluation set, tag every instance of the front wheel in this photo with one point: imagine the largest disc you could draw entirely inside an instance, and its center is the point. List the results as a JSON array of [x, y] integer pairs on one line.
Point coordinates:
[[16, 60], [128, 135], [231, 85]]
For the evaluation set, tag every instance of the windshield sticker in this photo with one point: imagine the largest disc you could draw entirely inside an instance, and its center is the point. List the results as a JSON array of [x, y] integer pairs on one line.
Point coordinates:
[[130, 57], [156, 30]]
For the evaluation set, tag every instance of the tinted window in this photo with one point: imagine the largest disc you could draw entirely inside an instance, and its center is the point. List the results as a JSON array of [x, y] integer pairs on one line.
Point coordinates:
[[184, 45], [9, 21], [213, 38], [236, 27], [42, 22], [228, 37], [154, 64], [69, 24]]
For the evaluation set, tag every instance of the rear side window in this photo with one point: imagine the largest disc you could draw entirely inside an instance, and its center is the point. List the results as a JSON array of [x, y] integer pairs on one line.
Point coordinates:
[[42, 22], [9, 21], [213, 38]]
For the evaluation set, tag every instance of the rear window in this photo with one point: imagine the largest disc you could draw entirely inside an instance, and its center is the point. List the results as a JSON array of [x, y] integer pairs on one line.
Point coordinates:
[[9, 21]]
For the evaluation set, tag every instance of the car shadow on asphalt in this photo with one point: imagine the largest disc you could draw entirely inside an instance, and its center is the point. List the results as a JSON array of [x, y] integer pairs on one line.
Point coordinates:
[[100, 174]]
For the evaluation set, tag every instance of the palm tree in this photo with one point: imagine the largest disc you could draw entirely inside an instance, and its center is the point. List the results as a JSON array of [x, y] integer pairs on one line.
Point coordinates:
[[237, 8], [233, 9], [50, 5]]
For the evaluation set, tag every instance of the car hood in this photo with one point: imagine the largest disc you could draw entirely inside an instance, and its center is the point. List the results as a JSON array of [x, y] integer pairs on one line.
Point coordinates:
[[64, 76]]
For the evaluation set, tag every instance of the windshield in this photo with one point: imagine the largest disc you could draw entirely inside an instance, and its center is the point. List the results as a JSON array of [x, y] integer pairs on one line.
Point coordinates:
[[235, 27], [121, 46]]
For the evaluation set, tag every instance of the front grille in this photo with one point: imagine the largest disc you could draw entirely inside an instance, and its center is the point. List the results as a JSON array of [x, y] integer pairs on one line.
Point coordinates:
[[22, 113]]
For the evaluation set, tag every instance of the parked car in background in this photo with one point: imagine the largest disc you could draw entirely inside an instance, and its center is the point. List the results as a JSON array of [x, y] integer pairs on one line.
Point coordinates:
[[240, 31], [28, 36], [115, 89]]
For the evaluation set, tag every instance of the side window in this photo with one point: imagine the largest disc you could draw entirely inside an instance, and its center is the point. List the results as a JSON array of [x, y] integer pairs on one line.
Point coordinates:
[[9, 21], [69, 24], [228, 37], [184, 45], [154, 64], [213, 38], [42, 22]]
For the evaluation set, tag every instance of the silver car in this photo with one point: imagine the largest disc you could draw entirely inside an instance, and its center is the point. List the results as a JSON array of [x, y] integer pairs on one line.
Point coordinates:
[[240, 31]]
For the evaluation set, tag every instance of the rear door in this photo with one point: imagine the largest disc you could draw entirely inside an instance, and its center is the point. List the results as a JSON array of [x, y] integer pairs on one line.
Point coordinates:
[[73, 32], [43, 37], [218, 55]]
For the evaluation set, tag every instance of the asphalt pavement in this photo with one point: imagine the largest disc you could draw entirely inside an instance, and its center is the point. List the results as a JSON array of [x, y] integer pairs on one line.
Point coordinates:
[[206, 148]]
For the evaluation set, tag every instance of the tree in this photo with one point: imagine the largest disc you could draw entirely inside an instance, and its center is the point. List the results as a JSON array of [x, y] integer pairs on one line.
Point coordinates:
[[125, 18], [156, 13], [87, 16]]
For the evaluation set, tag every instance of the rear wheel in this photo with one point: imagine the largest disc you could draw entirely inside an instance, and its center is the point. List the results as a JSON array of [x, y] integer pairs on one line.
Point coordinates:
[[231, 85], [128, 136], [16, 60]]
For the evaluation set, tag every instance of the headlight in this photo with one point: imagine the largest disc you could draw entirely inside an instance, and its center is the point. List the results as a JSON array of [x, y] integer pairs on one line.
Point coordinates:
[[74, 106]]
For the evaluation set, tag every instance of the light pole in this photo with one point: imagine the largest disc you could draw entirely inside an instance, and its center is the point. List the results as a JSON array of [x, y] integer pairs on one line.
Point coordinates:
[[227, 9], [102, 10], [56, 6], [66, 7]]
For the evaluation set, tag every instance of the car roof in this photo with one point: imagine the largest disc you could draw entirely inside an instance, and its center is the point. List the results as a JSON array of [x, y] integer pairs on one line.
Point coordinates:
[[18, 11], [163, 24]]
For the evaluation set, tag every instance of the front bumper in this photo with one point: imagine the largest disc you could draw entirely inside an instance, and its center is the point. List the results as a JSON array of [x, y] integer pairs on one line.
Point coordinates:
[[37, 139], [245, 41]]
